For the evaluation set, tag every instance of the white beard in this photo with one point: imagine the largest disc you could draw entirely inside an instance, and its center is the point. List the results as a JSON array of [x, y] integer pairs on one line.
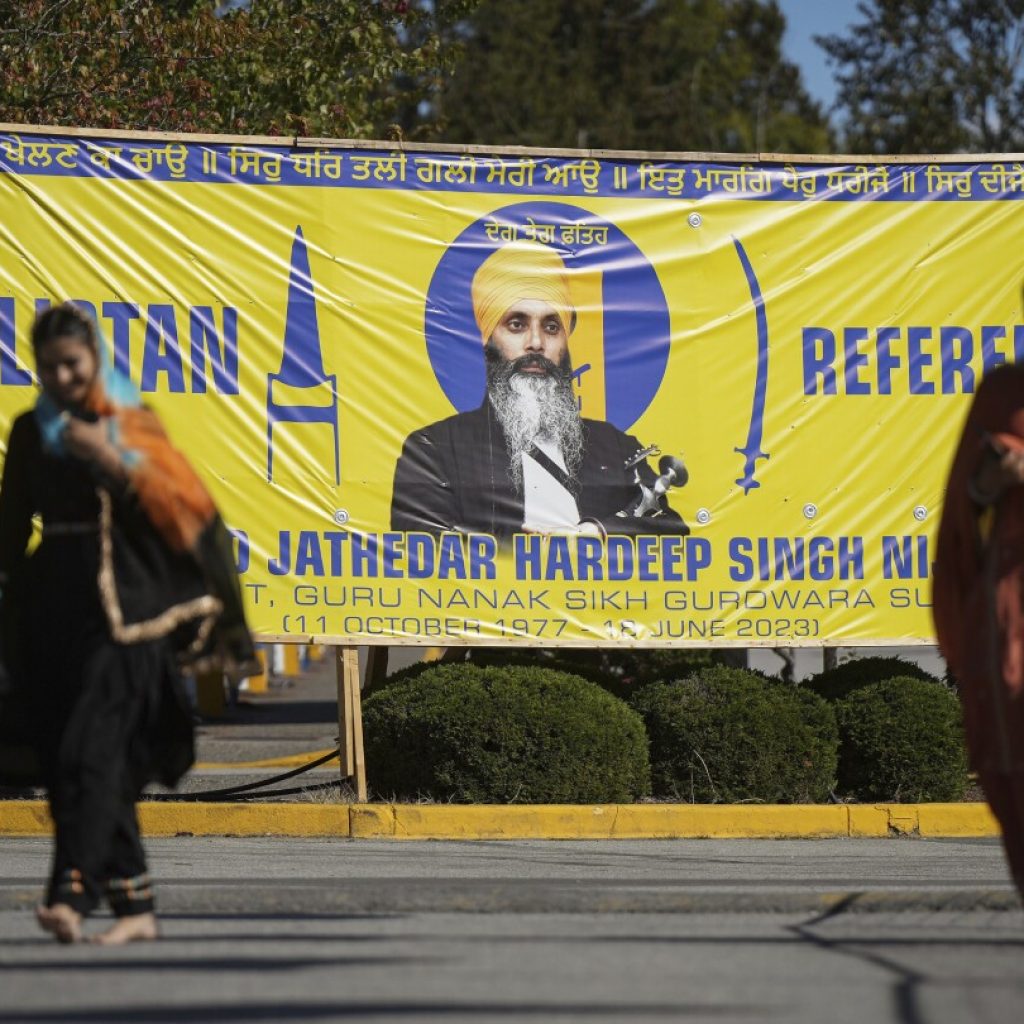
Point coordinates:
[[531, 408]]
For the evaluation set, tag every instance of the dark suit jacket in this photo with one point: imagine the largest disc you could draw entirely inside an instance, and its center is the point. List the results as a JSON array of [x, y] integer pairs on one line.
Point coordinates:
[[454, 476]]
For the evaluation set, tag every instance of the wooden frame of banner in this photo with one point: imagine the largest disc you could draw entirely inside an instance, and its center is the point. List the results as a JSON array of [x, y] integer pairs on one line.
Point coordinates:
[[316, 142], [350, 717]]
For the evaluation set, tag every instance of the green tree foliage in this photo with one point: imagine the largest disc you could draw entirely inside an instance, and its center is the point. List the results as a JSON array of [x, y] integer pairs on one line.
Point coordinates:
[[338, 68], [931, 76], [618, 74]]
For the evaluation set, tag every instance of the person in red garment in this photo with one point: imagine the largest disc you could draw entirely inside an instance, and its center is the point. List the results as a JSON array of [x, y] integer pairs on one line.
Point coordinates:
[[979, 596]]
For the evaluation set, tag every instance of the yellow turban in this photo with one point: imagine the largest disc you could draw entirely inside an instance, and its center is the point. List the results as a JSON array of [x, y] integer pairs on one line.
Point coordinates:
[[520, 270]]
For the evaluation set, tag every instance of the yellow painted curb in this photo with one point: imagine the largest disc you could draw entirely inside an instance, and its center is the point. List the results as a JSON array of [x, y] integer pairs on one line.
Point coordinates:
[[547, 821], [31, 818], [945, 820], [730, 821], [867, 822], [614, 821], [243, 819], [24, 818]]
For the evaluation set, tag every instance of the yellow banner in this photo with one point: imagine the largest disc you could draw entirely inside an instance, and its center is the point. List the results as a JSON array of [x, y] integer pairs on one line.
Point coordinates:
[[449, 398]]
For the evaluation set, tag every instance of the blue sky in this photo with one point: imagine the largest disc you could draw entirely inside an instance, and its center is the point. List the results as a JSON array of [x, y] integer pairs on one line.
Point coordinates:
[[807, 18]]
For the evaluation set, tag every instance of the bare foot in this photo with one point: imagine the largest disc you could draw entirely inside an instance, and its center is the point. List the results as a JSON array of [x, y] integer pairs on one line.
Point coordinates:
[[60, 921], [133, 928]]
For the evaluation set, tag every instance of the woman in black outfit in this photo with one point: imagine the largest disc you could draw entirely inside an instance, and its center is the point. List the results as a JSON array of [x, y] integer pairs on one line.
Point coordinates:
[[133, 577]]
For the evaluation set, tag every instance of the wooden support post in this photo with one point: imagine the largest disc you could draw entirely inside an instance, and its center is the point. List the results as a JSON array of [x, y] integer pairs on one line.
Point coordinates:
[[357, 731], [350, 719], [346, 756]]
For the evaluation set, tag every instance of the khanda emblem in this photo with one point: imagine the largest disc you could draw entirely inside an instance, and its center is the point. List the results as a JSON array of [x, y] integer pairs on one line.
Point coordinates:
[[301, 391]]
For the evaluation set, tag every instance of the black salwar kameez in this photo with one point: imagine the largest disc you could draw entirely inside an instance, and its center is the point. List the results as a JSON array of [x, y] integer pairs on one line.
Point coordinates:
[[103, 717]]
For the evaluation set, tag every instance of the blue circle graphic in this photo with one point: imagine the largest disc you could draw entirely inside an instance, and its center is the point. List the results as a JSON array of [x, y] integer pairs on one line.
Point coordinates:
[[635, 312]]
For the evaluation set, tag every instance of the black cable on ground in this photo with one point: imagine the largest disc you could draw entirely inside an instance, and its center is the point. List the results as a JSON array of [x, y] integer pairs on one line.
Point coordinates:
[[244, 791], [226, 795]]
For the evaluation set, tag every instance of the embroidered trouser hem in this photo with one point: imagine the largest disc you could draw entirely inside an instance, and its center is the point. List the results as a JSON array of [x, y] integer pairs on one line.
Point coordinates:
[[98, 853], [130, 896]]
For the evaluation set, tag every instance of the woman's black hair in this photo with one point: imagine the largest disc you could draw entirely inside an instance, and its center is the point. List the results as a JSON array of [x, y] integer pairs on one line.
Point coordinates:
[[63, 321]]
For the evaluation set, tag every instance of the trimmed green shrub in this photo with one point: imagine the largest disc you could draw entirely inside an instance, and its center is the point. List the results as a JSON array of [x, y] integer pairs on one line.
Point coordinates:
[[725, 735], [417, 668], [621, 670], [836, 683], [639, 667], [901, 740], [497, 734], [662, 664], [589, 663]]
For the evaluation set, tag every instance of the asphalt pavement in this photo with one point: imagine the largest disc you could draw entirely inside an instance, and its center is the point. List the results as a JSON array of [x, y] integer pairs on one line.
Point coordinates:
[[907, 931], [902, 930], [312, 876]]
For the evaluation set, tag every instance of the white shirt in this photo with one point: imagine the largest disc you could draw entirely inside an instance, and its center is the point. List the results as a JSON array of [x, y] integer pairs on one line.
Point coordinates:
[[547, 505]]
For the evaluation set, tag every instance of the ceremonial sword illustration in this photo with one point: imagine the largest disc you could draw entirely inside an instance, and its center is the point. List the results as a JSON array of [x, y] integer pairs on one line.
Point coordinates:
[[751, 451]]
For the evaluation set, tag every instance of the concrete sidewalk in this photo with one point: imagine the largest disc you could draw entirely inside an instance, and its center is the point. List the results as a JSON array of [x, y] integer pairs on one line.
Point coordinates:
[[273, 730]]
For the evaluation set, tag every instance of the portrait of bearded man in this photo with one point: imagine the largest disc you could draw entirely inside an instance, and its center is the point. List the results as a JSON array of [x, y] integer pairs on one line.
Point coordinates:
[[525, 461]]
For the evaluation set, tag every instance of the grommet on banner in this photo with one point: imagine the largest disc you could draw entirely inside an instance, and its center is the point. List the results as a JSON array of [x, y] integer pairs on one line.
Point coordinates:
[[695, 220], [703, 516], [810, 510], [341, 517], [920, 513]]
